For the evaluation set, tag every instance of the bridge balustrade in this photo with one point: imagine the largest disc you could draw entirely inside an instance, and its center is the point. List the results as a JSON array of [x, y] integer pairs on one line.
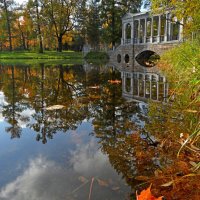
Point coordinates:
[[143, 86], [144, 28]]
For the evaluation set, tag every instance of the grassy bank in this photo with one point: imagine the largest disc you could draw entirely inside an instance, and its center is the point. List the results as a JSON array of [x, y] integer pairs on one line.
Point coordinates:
[[176, 125], [46, 55]]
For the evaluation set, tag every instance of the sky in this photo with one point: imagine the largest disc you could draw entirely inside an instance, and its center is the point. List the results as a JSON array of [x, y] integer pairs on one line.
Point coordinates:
[[21, 1]]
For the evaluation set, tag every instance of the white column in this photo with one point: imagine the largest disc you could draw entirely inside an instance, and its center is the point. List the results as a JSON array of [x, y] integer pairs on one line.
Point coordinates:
[[169, 27], [150, 88], [124, 38], [138, 81], [151, 39], [132, 84], [123, 82], [144, 84], [145, 30], [132, 32], [180, 37], [159, 28], [138, 31], [157, 89], [166, 27]]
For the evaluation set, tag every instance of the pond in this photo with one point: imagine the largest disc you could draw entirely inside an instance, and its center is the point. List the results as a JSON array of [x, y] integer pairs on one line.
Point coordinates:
[[70, 132]]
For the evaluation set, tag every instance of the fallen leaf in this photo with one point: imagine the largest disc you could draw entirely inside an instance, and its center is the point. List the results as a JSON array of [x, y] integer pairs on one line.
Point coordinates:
[[94, 87], [102, 183], [167, 184], [55, 107], [114, 81], [115, 188], [146, 195]]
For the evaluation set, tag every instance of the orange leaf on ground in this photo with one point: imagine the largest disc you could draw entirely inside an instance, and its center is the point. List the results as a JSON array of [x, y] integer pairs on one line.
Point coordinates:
[[146, 195]]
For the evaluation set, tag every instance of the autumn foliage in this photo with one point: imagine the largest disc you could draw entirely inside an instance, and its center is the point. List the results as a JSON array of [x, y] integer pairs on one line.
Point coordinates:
[[147, 195]]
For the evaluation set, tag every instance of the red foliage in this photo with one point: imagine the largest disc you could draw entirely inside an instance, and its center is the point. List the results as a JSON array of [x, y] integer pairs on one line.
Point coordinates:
[[147, 195]]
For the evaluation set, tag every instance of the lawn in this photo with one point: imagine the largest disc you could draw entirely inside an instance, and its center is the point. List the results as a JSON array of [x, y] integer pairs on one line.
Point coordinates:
[[46, 55]]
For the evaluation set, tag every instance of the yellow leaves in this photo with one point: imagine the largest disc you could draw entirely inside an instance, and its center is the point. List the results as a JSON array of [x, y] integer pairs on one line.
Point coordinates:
[[147, 195]]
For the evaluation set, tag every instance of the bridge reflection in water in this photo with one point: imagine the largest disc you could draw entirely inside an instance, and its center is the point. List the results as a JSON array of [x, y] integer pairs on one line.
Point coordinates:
[[144, 86]]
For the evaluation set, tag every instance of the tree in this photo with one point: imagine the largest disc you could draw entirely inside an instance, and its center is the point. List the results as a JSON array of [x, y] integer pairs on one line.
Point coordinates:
[[111, 12], [188, 11], [5, 5], [61, 14], [93, 25], [35, 11]]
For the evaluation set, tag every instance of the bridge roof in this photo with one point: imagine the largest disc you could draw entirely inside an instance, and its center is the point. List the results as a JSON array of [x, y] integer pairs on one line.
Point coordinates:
[[132, 15]]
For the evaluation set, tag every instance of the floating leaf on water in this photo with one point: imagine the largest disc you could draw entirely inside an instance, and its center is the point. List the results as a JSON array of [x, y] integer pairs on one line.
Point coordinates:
[[82, 179], [94, 87], [114, 81], [115, 188], [168, 184], [55, 107], [142, 178], [102, 183]]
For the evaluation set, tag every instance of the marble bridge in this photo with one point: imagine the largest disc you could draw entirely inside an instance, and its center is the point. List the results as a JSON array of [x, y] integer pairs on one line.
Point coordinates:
[[144, 35]]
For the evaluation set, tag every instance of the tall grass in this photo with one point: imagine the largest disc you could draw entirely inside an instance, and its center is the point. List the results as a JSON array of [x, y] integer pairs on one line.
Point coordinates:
[[181, 116]]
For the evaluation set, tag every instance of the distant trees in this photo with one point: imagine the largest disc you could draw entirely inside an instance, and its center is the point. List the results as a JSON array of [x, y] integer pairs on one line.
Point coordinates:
[[111, 12], [188, 11], [54, 24], [60, 14], [6, 14]]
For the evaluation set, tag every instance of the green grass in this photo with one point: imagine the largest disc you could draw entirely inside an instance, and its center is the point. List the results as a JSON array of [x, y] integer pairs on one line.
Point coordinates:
[[46, 55]]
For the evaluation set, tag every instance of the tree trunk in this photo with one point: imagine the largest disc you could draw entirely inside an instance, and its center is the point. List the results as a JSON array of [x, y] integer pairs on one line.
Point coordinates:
[[60, 43], [8, 25], [39, 29], [23, 41], [113, 24]]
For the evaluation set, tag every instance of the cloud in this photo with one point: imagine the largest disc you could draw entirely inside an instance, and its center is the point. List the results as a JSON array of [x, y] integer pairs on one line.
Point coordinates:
[[89, 161], [42, 180]]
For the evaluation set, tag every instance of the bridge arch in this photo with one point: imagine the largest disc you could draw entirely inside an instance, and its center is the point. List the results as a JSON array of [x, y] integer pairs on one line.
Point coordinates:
[[147, 58]]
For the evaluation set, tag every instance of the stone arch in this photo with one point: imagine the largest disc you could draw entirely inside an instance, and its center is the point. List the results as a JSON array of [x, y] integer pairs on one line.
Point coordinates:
[[119, 58], [147, 58], [126, 58]]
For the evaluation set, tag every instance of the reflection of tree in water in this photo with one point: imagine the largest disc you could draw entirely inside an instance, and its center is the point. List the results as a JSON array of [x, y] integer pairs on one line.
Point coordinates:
[[116, 125], [37, 88], [55, 90], [13, 109], [111, 114]]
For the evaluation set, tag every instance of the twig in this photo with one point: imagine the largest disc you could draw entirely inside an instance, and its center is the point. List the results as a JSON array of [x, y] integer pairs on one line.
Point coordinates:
[[91, 188]]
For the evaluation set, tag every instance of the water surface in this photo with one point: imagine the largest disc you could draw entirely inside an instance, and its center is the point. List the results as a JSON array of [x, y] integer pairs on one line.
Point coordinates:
[[83, 149]]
